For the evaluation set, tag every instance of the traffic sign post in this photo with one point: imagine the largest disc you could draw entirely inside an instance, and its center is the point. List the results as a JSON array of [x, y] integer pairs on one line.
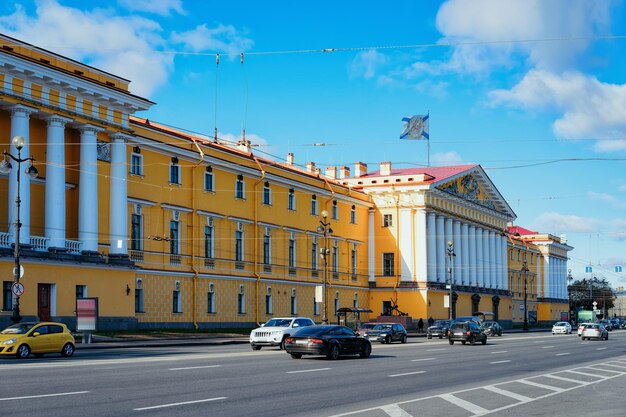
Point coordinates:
[[17, 289]]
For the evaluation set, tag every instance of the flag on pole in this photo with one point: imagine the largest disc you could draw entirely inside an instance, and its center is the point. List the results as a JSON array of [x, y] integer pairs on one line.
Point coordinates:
[[416, 127]]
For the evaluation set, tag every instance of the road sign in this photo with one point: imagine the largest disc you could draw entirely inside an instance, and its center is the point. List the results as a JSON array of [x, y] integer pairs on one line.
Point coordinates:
[[17, 289], [588, 269], [21, 271], [618, 268]]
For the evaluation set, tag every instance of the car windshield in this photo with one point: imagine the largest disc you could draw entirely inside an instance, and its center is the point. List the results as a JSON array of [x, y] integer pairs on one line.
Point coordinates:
[[278, 323], [489, 324], [441, 323], [382, 327], [19, 328], [561, 323], [367, 326]]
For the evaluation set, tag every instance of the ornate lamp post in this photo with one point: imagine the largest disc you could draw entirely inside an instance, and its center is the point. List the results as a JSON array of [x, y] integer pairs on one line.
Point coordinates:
[[451, 255], [525, 271], [325, 229], [31, 171]]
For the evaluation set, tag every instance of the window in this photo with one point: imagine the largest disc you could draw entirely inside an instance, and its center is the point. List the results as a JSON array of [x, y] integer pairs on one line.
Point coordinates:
[[267, 196], [81, 291], [239, 244], [314, 205], [138, 297], [387, 220], [209, 185], [291, 199], [519, 255], [336, 302], [208, 240], [239, 188], [355, 301], [335, 210], [267, 247], [136, 242], [241, 301], [292, 250], [335, 266], [316, 308], [314, 253], [136, 164], [532, 258], [353, 215], [294, 302], [175, 172], [7, 297], [268, 301], [511, 253], [176, 301], [174, 237], [388, 264], [210, 300], [353, 259]]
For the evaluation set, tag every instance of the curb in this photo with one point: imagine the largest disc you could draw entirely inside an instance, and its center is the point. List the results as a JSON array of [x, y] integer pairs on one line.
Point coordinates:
[[158, 343]]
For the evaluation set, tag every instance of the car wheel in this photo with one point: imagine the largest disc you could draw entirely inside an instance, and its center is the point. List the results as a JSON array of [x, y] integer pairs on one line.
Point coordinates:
[[607, 337], [23, 351], [296, 356], [387, 339], [403, 340], [256, 347], [451, 341], [282, 343], [366, 351], [500, 333], [472, 341], [68, 350], [463, 342], [582, 338], [430, 337], [485, 341], [441, 337], [333, 353]]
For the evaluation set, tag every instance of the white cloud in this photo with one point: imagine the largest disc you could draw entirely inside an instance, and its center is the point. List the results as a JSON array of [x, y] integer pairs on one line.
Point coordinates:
[[607, 198], [366, 64], [590, 108], [618, 229], [446, 158], [222, 38], [556, 224], [124, 46], [159, 7]]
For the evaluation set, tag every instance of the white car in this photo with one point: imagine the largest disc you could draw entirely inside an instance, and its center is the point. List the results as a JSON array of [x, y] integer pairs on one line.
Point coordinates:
[[595, 331], [581, 327], [275, 331], [562, 327]]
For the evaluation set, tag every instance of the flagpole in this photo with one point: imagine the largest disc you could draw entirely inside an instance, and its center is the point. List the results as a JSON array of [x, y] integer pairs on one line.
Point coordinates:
[[428, 140]]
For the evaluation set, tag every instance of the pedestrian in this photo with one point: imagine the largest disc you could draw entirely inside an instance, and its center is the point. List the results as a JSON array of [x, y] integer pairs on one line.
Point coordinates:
[[420, 326], [430, 321]]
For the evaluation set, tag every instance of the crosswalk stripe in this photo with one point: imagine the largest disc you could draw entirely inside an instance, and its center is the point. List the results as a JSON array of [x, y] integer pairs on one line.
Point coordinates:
[[471, 407], [538, 385], [562, 378], [394, 410], [506, 393]]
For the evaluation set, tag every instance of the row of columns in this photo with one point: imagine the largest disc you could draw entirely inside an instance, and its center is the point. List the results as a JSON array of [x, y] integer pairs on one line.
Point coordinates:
[[555, 277], [55, 205]]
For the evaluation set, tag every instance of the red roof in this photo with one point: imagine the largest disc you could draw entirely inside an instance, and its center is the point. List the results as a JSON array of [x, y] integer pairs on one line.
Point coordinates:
[[518, 230], [438, 173]]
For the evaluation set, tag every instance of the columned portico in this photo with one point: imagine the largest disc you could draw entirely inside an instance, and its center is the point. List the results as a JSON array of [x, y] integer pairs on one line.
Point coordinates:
[[88, 189], [20, 126], [480, 269], [55, 183], [441, 249], [472, 255], [493, 283], [431, 249], [458, 261], [465, 253], [449, 238], [118, 216]]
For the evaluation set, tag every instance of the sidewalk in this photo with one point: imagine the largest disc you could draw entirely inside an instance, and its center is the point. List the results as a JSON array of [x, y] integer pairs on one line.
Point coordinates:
[[141, 341]]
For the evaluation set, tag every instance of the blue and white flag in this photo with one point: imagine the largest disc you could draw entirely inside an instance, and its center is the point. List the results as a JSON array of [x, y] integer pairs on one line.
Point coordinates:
[[416, 127]]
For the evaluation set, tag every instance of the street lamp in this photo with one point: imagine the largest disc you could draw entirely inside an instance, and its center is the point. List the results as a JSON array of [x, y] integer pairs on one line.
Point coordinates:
[[451, 256], [525, 271], [572, 308], [325, 229], [31, 171]]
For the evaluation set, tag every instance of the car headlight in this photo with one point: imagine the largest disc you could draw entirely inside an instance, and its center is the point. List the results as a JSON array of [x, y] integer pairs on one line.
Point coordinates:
[[9, 342], [383, 334]]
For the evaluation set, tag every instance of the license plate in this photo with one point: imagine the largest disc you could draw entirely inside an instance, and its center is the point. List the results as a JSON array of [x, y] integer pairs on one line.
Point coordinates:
[[301, 342], [458, 334]]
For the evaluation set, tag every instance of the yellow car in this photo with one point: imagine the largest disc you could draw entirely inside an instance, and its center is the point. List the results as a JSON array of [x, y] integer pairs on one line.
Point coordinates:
[[22, 339]]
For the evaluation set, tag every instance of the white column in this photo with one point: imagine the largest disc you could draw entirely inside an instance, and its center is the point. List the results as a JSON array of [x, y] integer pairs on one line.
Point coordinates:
[[449, 227], [118, 213], [546, 278], [371, 247], [493, 282], [55, 182], [431, 249], [88, 189], [503, 264], [20, 126], [441, 249], [465, 251], [472, 255], [480, 267], [458, 260], [420, 238]]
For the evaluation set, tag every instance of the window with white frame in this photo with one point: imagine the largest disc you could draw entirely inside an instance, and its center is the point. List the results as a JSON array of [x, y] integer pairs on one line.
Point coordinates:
[[336, 302], [136, 241], [292, 250], [511, 254], [353, 259], [388, 264], [211, 299], [81, 291], [209, 239], [175, 172], [138, 296], [174, 237], [239, 243], [267, 194], [294, 302], [209, 183], [353, 214], [314, 253], [316, 307], [267, 247], [291, 199], [241, 300], [268, 301], [387, 220], [335, 210], [136, 164], [335, 266], [240, 191], [176, 299], [355, 301], [314, 205]]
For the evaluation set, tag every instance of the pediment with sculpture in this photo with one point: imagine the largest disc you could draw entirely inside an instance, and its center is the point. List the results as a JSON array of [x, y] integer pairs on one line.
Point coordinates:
[[468, 188]]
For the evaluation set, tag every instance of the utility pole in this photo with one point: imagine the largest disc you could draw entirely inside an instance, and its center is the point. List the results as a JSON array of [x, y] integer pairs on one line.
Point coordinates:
[[525, 271]]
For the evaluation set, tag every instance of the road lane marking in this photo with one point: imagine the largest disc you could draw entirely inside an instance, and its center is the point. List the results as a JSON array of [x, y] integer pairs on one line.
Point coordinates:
[[594, 368], [600, 348], [194, 367], [588, 374], [562, 378], [538, 385], [59, 394], [407, 373], [500, 351], [563, 354], [493, 363], [424, 359], [435, 350], [547, 347], [308, 370], [177, 404], [394, 410], [471, 407], [507, 393]]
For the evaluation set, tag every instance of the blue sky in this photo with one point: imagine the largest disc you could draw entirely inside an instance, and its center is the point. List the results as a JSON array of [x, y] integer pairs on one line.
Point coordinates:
[[533, 90]]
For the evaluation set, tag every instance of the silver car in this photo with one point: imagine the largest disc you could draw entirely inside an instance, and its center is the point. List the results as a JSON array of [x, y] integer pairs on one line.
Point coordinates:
[[595, 331]]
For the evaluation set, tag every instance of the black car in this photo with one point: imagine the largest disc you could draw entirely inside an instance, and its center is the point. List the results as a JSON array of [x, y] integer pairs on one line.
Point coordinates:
[[467, 331], [330, 341], [386, 333], [438, 329], [492, 328]]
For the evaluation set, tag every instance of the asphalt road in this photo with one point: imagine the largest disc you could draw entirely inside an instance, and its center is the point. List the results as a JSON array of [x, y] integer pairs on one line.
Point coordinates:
[[516, 374]]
